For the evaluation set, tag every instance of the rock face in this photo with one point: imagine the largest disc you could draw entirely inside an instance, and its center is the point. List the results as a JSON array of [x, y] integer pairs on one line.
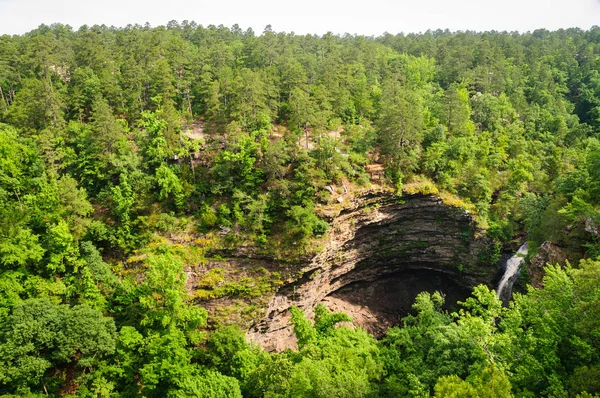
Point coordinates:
[[378, 305], [381, 252], [548, 253]]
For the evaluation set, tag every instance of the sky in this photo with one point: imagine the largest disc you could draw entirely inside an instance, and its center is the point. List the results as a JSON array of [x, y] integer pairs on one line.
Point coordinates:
[[366, 17]]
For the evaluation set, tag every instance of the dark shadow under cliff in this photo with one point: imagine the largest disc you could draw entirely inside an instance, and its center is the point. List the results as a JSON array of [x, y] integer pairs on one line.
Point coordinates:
[[381, 252], [376, 306]]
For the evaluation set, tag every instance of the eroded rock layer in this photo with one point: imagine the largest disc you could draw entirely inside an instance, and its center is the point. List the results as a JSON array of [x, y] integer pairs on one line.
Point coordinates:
[[376, 306], [374, 244]]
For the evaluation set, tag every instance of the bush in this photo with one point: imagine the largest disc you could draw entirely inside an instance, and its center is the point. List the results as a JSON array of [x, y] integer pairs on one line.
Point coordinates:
[[208, 218], [304, 223]]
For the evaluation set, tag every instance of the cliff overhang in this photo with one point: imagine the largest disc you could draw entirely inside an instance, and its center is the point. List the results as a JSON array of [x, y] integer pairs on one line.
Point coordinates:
[[380, 252]]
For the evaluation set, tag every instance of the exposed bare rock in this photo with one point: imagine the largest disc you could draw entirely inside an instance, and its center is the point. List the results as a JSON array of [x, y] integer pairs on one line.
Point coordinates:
[[548, 253], [195, 131], [378, 305], [592, 227], [379, 237]]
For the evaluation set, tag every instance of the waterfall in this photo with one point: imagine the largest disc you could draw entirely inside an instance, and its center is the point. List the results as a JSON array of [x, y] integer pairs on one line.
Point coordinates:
[[513, 265]]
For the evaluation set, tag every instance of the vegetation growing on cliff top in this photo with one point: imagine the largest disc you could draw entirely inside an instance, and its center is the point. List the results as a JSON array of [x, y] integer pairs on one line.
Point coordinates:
[[129, 155]]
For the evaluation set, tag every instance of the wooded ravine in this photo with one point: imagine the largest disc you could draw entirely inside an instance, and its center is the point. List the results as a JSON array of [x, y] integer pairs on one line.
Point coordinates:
[[191, 211]]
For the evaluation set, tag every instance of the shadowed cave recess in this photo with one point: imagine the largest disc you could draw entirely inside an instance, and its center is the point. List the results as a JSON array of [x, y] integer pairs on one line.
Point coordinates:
[[381, 252], [378, 305]]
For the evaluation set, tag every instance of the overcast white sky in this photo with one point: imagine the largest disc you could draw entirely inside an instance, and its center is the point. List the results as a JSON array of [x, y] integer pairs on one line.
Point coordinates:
[[369, 17]]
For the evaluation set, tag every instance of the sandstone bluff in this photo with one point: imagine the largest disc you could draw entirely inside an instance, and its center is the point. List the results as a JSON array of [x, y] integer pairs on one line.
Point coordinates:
[[382, 250]]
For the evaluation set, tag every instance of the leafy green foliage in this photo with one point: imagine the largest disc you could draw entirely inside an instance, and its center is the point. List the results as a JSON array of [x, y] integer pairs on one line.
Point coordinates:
[[40, 335], [110, 137], [332, 361]]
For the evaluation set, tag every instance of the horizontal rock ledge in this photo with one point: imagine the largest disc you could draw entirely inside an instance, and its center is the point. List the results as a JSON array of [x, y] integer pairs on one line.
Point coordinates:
[[379, 236]]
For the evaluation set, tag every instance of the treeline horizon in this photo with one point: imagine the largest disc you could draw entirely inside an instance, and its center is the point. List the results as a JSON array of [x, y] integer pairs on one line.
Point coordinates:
[[171, 24]]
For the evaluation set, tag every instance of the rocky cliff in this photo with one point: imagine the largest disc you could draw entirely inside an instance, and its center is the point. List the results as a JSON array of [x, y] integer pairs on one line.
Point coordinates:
[[548, 253], [381, 251]]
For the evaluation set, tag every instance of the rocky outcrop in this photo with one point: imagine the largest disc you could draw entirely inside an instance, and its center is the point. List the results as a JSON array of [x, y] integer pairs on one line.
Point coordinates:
[[379, 237], [380, 304], [548, 253]]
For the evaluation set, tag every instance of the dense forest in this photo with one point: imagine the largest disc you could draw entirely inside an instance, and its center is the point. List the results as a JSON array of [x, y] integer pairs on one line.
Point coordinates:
[[129, 154]]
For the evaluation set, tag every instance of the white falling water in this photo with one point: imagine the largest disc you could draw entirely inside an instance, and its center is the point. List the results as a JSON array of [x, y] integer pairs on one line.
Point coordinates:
[[513, 265]]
